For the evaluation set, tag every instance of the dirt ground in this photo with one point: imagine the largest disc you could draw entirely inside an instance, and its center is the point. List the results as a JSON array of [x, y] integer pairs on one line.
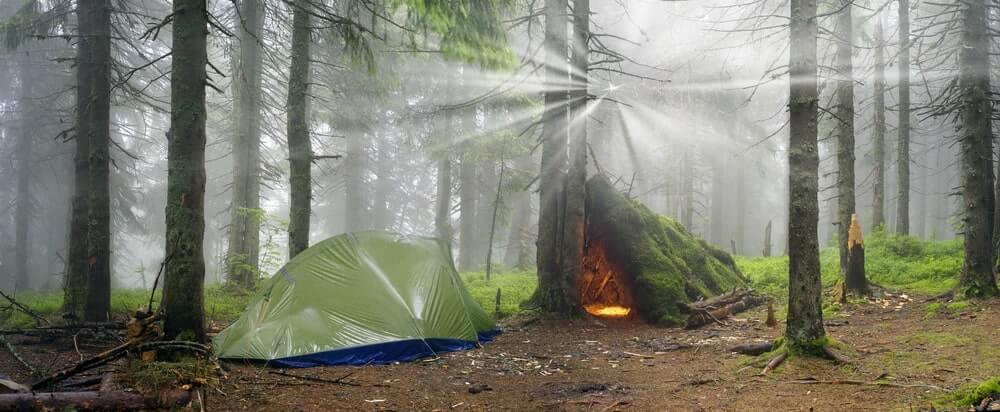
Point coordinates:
[[598, 365]]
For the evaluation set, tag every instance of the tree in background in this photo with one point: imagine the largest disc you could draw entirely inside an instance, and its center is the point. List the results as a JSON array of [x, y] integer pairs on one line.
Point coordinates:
[[244, 226], [300, 152], [878, 151], [903, 145]]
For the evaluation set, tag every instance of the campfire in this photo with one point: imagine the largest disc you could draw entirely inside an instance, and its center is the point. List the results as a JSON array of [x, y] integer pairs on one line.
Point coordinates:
[[604, 286]]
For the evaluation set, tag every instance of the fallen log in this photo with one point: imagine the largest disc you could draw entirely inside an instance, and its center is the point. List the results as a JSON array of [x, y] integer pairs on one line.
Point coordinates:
[[95, 401], [714, 310]]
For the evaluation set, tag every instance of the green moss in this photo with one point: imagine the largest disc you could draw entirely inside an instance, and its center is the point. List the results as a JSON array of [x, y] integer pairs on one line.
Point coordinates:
[[666, 263], [973, 394], [940, 339], [515, 288]]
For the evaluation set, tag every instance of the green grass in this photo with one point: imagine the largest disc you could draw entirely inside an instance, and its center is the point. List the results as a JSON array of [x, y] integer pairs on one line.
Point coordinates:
[[515, 288], [220, 305], [896, 262]]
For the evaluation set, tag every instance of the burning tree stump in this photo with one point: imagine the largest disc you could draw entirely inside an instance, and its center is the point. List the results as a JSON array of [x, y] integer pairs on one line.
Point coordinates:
[[637, 263]]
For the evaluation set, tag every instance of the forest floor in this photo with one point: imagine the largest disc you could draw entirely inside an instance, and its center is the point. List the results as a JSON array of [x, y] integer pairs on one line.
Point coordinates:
[[602, 365], [598, 365]]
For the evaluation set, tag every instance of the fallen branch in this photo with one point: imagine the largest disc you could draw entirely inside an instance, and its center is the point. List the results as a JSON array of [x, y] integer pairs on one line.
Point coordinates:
[[338, 381], [89, 401], [13, 303], [774, 363], [720, 307], [833, 355], [10, 348], [811, 381]]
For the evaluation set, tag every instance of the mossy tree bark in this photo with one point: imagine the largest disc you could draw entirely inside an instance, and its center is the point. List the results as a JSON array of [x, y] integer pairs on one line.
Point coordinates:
[[300, 153], [844, 120], [978, 278], [555, 290], [184, 275], [903, 146], [244, 224], [878, 151], [98, 306], [805, 312], [75, 283]]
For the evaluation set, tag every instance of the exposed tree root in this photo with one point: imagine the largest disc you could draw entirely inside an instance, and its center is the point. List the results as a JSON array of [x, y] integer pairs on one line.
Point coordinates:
[[774, 363], [811, 381], [753, 349]]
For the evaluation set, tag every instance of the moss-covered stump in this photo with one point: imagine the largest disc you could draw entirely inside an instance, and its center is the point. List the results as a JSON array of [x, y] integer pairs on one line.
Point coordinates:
[[649, 262]]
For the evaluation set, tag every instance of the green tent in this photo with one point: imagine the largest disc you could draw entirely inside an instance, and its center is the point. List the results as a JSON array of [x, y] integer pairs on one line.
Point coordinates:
[[356, 299]]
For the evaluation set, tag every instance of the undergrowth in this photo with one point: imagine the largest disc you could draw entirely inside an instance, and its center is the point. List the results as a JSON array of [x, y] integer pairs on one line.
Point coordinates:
[[896, 262], [515, 288], [972, 394]]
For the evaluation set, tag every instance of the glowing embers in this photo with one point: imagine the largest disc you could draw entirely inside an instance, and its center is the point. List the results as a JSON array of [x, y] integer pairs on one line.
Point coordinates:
[[604, 288], [607, 311]]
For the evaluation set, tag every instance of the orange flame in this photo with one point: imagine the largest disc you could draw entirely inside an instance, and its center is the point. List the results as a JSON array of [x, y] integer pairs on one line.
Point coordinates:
[[607, 311]]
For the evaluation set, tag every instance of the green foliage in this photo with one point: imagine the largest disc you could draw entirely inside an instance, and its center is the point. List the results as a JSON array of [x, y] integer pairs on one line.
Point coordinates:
[[471, 30], [515, 288], [893, 261], [31, 20], [936, 308], [973, 394]]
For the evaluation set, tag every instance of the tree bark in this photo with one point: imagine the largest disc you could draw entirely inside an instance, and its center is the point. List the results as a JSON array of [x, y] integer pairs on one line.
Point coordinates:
[[805, 314], [854, 276], [244, 224], [99, 231], [878, 196], [299, 141], [554, 292], [576, 179], [844, 120], [903, 147], [978, 278], [184, 275], [75, 283]]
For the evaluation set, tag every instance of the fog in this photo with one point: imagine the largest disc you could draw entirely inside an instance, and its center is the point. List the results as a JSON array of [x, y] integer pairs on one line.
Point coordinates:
[[687, 114]]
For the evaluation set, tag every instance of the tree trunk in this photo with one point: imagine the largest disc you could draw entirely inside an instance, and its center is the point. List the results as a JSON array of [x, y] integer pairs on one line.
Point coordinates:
[[978, 278], [767, 240], [878, 196], [687, 192], [184, 276], [244, 225], [22, 213], [805, 311], [576, 180], [554, 292], [99, 231], [381, 215], [442, 215], [903, 147], [467, 193], [355, 206], [299, 142], [844, 120], [75, 283]]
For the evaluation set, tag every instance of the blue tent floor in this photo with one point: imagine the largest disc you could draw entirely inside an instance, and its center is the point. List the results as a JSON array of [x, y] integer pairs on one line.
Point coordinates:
[[383, 353]]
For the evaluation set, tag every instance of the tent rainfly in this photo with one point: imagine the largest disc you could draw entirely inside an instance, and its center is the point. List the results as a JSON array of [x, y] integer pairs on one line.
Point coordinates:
[[356, 299]]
